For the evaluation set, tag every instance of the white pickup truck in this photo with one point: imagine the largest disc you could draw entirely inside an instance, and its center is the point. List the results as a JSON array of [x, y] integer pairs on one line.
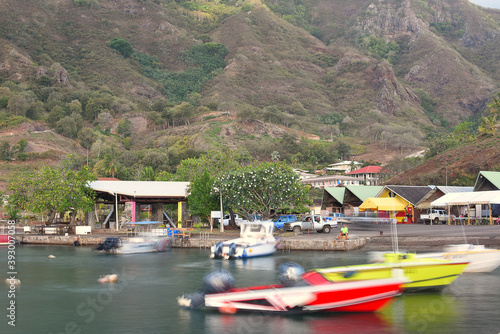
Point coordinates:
[[311, 222], [434, 216]]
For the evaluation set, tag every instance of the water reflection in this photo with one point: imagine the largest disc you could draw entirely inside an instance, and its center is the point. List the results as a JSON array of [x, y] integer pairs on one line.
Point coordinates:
[[253, 323], [426, 312]]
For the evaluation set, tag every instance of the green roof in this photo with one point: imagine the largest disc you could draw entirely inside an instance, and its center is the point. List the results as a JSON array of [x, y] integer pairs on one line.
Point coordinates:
[[493, 177], [337, 193], [363, 192]]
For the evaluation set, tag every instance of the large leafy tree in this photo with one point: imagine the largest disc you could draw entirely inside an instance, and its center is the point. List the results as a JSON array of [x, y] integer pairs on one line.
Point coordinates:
[[201, 199], [49, 190], [261, 188]]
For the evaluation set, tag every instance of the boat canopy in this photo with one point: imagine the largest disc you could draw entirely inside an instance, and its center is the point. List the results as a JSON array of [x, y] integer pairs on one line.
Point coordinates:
[[383, 204], [146, 222]]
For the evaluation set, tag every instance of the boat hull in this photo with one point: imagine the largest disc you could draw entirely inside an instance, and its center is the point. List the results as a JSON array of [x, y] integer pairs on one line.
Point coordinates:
[[235, 250], [481, 259], [5, 239], [322, 296], [425, 274], [141, 245]]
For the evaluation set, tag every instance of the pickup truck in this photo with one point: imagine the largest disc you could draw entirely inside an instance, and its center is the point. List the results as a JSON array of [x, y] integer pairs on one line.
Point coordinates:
[[434, 216], [311, 222], [237, 220]]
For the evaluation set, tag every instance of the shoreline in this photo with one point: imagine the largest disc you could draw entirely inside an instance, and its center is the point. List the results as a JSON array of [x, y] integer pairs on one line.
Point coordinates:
[[410, 238]]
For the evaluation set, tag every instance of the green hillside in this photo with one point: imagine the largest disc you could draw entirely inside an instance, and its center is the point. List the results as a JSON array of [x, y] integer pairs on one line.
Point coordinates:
[[150, 83]]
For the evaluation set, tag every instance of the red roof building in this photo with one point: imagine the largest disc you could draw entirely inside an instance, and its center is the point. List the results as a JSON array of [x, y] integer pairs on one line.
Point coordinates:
[[369, 175]]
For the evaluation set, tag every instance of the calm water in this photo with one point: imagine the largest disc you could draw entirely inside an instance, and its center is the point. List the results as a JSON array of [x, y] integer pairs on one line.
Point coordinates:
[[62, 295]]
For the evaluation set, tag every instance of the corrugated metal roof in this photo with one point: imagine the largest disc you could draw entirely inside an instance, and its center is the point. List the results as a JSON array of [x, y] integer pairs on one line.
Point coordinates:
[[337, 193], [493, 177], [363, 192], [454, 189], [142, 188], [425, 202]]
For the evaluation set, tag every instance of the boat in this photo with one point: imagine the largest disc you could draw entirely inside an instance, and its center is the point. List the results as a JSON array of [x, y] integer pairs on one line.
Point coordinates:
[[481, 259], [256, 239], [299, 292], [7, 239], [142, 241], [422, 273]]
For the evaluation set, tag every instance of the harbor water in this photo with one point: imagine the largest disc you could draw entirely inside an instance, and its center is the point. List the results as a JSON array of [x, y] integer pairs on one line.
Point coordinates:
[[61, 294]]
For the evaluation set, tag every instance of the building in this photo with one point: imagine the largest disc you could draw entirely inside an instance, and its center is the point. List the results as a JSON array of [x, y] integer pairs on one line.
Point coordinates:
[[131, 195], [369, 175], [487, 181], [395, 201], [347, 199], [330, 181], [343, 167]]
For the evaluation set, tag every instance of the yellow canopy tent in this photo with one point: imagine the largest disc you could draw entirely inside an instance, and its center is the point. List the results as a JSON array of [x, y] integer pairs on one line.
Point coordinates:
[[383, 204]]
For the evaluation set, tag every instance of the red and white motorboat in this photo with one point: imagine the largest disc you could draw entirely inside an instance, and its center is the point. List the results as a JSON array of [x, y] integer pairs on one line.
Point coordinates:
[[311, 293]]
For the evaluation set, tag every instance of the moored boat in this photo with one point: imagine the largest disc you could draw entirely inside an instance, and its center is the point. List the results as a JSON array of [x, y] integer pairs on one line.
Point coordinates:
[[308, 292], [6, 239], [256, 239], [422, 273], [481, 259], [142, 241]]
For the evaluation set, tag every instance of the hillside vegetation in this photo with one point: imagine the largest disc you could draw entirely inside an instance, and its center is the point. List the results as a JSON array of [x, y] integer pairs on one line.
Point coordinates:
[[132, 84]]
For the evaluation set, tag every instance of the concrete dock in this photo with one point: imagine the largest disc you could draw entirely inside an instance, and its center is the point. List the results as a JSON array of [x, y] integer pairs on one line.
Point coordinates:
[[378, 237]]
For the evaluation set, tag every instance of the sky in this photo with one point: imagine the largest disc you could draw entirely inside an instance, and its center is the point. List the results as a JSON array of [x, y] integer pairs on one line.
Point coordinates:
[[487, 3]]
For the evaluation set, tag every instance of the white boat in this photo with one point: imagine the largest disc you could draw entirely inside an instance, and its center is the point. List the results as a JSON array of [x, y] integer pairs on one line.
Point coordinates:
[[256, 239], [481, 259], [143, 241]]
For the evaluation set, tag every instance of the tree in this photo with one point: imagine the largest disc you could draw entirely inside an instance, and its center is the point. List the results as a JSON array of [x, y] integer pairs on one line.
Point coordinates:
[[67, 127], [261, 188], [5, 150], [201, 199], [488, 125], [55, 115], [216, 162], [124, 128], [49, 190], [122, 46], [344, 151], [148, 174], [18, 105]]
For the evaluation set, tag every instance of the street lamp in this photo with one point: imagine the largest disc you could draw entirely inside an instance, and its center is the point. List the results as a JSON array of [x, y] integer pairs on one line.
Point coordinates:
[[221, 211]]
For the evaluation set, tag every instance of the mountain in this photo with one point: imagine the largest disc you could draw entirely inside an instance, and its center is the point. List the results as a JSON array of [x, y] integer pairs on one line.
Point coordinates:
[[363, 72]]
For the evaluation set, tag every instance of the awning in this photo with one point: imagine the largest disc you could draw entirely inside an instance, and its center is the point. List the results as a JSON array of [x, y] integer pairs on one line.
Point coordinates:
[[383, 204], [474, 197]]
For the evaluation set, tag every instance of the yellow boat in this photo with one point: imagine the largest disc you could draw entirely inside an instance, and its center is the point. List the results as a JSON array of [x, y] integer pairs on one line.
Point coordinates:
[[422, 273]]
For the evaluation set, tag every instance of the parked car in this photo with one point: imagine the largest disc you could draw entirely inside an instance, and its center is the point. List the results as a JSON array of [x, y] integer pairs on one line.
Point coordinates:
[[281, 220], [314, 223]]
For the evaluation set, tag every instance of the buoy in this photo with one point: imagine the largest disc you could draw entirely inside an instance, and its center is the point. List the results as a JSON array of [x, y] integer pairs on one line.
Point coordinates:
[[52, 256], [108, 278], [113, 278], [103, 280], [12, 281]]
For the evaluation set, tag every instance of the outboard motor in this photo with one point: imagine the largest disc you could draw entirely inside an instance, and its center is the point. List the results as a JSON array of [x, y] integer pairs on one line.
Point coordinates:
[[218, 250], [290, 273], [109, 244], [218, 281], [232, 250], [215, 282]]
